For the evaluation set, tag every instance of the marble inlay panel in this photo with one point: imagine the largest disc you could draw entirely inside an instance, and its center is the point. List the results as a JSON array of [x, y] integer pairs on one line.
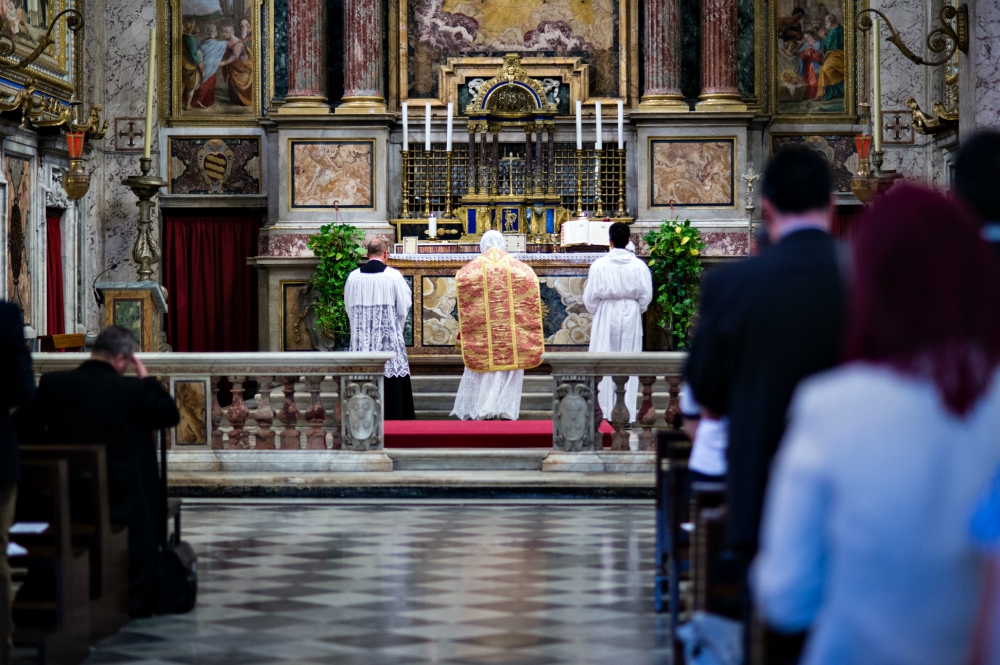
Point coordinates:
[[726, 243], [213, 165], [329, 173], [746, 46], [192, 403], [565, 319], [280, 49], [840, 151], [19, 233], [692, 172], [439, 314]]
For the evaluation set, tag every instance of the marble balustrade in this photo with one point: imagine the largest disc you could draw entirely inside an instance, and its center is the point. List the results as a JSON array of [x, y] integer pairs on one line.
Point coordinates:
[[576, 415], [311, 401]]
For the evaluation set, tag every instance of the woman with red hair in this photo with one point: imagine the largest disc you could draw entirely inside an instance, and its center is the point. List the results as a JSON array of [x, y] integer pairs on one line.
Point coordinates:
[[865, 537]]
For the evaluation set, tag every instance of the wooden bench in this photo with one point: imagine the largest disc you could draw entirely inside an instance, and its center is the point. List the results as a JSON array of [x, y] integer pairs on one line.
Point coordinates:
[[52, 608], [92, 528]]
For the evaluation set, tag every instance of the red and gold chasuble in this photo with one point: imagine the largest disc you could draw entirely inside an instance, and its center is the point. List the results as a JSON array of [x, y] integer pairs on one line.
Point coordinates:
[[499, 313]]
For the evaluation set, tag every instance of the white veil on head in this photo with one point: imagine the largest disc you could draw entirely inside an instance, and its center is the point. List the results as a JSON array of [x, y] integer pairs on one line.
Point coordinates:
[[492, 239]]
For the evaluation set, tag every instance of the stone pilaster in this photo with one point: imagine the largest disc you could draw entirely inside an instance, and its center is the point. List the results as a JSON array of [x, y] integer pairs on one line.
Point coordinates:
[[306, 59], [362, 58], [663, 58], [719, 73]]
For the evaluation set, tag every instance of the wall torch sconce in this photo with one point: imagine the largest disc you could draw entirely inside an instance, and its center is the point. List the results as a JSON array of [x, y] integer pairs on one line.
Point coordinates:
[[41, 111]]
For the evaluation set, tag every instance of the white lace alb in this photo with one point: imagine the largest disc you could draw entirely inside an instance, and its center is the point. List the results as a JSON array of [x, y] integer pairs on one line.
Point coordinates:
[[376, 328]]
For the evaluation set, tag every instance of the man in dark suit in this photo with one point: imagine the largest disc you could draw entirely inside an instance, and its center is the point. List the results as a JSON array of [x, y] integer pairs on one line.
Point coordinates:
[[977, 172], [95, 403], [17, 389], [765, 324]]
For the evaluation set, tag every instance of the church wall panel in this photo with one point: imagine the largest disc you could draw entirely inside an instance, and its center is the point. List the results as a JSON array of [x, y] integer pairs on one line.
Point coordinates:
[[692, 172], [331, 174], [214, 165]]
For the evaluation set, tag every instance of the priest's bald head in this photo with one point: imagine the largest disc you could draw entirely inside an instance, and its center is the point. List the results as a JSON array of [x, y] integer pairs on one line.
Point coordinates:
[[490, 240], [378, 249]]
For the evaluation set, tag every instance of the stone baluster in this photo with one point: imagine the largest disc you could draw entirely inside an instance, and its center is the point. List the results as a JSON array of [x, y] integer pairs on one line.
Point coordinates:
[[216, 415], [620, 416], [674, 404], [238, 414], [289, 416], [336, 415], [306, 59], [315, 415], [362, 57], [647, 414], [264, 415], [598, 419], [719, 84]]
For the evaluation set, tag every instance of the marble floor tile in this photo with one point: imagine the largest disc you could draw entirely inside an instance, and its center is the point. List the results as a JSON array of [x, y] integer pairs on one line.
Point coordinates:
[[445, 583]]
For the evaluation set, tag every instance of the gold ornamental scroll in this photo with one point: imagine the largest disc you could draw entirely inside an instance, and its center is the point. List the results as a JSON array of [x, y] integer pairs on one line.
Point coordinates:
[[499, 313]]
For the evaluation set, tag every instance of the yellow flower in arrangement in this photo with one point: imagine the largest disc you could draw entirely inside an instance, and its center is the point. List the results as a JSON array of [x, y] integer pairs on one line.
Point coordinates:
[[677, 229], [685, 240], [695, 252]]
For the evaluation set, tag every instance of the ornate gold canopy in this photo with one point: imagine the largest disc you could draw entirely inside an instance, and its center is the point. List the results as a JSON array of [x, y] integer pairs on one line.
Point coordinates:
[[510, 95]]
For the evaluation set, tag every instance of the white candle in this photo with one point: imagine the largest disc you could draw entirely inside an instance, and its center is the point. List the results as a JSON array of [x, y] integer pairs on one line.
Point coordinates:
[[406, 126], [432, 226], [621, 124], [579, 125], [147, 139], [427, 127], [877, 85], [447, 144], [599, 143]]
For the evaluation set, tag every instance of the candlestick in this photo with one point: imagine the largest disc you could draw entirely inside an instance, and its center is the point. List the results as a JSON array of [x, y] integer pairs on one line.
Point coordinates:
[[147, 143], [621, 123], [406, 127], [447, 141], [621, 183], [597, 115], [579, 172], [579, 125], [447, 185], [405, 214], [877, 85], [427, 127]]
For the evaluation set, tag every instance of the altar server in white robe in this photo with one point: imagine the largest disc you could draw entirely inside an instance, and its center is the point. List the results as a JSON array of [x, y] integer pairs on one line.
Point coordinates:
[[500, 319], [378, 299], [619, 289]]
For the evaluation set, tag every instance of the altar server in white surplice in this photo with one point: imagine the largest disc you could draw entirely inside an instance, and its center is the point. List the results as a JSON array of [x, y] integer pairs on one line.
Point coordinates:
[[378, 299], [619, 289]]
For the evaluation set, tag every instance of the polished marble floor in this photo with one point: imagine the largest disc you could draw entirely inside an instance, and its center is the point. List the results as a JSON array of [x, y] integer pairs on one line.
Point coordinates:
[[404, 582]]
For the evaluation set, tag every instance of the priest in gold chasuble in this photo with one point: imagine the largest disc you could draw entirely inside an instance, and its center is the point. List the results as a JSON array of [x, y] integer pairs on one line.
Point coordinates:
[[500, 323]]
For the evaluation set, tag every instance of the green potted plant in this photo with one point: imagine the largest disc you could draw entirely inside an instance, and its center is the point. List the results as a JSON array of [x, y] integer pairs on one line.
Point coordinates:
[[675, 262], [339, 248]]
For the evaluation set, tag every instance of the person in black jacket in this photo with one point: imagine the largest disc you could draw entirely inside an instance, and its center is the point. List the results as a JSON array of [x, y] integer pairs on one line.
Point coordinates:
[[95, 403], [765, 324], [977, 172], [17, 389]]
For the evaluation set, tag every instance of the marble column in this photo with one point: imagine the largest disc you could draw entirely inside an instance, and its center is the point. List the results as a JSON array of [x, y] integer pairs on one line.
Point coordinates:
[[362, 58], [306, 59], [719, 70], [979, 70], [663, 58]]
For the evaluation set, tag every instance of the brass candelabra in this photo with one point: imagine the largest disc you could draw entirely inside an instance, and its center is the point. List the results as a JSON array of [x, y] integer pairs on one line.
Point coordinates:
[[598, 201], [579, 182], [621, 183], [145, 252], [405, 214], [427, 183], [447, 188]]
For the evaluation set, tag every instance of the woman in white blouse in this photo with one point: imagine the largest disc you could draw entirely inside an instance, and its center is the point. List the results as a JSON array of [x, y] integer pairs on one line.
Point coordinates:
[[865, 537]]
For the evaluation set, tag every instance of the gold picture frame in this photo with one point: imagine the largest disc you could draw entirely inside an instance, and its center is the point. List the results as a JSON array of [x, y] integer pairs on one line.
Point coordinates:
[[59, 70], [174, 108], [805, 110]]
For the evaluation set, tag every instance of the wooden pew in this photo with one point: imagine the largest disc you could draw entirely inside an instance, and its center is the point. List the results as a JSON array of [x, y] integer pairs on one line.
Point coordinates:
[[92, 528], [52, 608]]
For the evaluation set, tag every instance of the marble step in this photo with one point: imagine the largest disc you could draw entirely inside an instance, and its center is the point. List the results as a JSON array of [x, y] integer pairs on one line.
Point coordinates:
[[467, 459]]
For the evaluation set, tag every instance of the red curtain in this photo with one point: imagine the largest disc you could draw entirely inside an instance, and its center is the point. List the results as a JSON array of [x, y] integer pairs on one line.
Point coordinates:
[[846, 220], [212, 291], [54, 312]]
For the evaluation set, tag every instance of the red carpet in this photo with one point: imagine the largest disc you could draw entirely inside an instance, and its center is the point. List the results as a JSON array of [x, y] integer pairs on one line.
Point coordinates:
[[473, 433]]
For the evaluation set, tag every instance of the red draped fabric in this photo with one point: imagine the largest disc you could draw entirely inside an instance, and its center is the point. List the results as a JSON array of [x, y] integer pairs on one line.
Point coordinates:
[[212, 291], [846, 220], [54, 312]]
